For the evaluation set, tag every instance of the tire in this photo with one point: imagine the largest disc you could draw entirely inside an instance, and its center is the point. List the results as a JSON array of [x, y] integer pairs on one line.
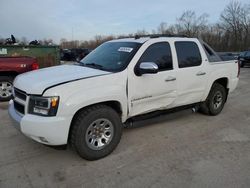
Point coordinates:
[[215, 100], [6, 84], [88, 127], [242, 64]]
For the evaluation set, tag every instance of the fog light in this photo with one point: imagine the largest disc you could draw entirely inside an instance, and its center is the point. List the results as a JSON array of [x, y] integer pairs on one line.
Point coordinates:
[[40, 111]]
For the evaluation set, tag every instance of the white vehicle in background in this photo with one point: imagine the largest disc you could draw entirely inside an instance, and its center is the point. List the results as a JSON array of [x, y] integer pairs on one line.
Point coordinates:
[[86, 104]]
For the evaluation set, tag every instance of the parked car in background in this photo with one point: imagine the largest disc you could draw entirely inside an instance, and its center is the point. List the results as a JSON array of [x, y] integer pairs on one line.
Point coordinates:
[[45, 55], [10, 67], [86, 104], [244, 58], [227, 56]]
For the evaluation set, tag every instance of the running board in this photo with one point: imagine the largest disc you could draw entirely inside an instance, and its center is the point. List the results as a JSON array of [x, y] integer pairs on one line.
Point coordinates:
[[129, 123]]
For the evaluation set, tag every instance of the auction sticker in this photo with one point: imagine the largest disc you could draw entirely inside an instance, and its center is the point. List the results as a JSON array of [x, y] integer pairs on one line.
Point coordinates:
[[125, 49]]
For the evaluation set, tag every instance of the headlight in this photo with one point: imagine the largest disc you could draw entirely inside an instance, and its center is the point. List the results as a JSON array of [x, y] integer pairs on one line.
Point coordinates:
[[43, 106]]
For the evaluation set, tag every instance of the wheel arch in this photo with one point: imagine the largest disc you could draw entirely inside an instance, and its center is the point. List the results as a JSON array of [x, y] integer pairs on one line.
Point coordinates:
[[224, 81], [115, 105]]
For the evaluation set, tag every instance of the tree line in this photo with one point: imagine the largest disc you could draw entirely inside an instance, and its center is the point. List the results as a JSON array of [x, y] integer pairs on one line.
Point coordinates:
[[230, 33]]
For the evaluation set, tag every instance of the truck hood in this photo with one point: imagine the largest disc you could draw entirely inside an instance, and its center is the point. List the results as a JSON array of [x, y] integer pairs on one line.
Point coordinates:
[[35, 82]]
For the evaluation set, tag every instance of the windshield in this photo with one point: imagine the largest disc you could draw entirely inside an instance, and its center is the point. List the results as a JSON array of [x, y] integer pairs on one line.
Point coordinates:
[[111, 56]]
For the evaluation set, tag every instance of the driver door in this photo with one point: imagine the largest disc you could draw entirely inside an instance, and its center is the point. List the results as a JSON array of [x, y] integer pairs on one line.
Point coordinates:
[[150, 92]]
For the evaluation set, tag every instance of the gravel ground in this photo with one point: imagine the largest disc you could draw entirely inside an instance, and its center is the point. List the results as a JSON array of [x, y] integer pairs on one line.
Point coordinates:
[[182, 149]]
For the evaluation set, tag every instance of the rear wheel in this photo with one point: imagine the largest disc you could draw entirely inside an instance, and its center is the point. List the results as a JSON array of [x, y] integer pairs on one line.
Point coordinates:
[[215, 100], [96, 132], [6, 84]]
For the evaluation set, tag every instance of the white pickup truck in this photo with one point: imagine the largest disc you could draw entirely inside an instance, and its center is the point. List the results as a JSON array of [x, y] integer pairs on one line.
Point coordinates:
[[86, 104]]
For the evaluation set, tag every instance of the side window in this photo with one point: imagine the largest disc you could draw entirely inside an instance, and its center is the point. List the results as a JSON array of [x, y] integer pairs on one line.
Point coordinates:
[[188, 54], [159, 53]]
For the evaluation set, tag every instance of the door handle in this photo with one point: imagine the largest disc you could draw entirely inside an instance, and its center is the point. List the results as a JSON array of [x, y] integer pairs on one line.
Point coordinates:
[[170, 78], [200, 73]]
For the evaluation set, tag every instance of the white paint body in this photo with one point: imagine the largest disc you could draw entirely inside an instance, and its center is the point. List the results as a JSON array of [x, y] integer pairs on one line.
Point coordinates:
[[135, 94]]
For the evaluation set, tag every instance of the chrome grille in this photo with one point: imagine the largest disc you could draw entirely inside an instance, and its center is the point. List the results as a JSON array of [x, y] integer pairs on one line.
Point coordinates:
[[20, 100], [20, 94]]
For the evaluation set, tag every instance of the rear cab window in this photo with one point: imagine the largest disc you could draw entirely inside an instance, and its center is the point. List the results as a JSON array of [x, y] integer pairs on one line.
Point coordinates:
[[211, 54], [188, 54]]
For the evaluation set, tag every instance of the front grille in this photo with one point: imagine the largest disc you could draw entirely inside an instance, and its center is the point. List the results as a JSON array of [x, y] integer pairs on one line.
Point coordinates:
[[19, 107], [20, 94]]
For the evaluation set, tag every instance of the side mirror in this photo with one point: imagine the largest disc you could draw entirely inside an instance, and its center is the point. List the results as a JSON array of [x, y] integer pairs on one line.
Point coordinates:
[[147, 68]]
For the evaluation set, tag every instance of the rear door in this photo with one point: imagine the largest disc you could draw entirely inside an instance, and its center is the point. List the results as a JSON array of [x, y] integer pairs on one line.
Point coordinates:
[[191, 72]]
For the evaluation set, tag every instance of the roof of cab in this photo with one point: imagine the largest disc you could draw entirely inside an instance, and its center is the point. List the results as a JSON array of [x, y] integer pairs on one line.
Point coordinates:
[[140, 40], [143, 38]]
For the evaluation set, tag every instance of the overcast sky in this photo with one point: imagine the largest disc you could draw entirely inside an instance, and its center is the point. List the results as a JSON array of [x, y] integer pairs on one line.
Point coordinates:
[[56, 19]]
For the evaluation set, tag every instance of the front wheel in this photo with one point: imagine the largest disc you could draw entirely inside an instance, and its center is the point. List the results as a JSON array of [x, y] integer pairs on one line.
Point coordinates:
[[96, 132], [215, 100]]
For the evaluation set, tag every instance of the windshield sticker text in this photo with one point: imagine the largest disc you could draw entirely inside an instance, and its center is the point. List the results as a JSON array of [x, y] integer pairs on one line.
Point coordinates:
[[125, 49]]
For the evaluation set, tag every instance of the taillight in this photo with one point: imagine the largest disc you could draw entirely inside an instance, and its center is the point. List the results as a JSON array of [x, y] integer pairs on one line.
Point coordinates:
[[238, 68], [34, 66]]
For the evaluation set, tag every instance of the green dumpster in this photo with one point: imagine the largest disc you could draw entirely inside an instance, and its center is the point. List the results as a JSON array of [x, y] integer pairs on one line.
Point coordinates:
[[46, 55]]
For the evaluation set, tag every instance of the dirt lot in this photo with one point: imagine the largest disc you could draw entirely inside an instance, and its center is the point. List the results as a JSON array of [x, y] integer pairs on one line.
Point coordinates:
[[183, 149]]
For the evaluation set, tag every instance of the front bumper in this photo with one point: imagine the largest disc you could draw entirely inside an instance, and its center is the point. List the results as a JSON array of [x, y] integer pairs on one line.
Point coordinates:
[[16, 117], [46, 130]]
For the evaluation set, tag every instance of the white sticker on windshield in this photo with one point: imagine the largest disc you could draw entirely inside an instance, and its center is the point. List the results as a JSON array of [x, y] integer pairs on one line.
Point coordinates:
[[125, 49]]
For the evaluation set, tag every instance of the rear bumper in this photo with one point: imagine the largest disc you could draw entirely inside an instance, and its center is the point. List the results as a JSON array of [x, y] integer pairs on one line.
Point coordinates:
[[233, 84], [46, 130]]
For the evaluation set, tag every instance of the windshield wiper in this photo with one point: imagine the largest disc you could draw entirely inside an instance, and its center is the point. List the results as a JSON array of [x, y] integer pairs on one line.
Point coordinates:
[[94, 65]]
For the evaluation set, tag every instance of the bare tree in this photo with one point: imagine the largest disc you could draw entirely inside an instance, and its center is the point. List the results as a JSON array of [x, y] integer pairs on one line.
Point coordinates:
[[235, 21], [191, 25], [47, 42], [163, 28], [2, 40], [23, 41], [232, 33], [141, 32]]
